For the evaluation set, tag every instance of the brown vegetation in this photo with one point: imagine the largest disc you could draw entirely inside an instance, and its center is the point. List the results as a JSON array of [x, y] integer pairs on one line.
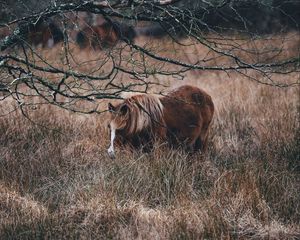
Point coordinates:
[[57, 181]]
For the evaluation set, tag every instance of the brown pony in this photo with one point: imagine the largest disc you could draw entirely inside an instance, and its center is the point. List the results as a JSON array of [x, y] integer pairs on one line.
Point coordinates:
[[182, 117], [45, 33], [105, 35]]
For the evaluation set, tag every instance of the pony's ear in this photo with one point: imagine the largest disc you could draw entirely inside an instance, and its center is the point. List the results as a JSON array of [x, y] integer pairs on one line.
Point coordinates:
[[124, 109], [111, 107]]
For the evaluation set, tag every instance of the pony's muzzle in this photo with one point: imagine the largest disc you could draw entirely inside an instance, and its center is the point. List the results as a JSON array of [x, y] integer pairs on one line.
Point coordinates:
[[111, 153]]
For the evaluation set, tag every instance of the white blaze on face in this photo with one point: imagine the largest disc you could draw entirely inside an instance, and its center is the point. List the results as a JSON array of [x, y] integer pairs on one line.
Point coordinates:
[[111, 151]]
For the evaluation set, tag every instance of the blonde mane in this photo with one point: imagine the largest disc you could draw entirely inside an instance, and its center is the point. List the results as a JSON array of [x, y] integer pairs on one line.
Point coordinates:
[[145, 111]]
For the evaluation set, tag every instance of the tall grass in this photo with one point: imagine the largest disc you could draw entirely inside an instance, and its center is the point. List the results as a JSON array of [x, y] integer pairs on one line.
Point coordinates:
[[57, 182]]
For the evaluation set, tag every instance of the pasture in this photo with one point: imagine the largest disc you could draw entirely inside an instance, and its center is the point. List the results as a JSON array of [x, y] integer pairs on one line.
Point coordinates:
[[58, 182]]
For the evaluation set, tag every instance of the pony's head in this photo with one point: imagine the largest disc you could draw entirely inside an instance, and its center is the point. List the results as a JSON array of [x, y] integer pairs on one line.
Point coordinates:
[[134, 115], [119, 116], [119, 120]]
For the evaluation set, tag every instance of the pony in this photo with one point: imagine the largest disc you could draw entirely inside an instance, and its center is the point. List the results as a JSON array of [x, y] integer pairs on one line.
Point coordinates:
[[109, 33], [182, 118], [105, 35], [46, 33]]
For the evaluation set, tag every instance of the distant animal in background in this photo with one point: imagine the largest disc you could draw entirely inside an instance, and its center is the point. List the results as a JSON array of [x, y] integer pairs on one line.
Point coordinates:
[[105, 35], [4, 32], [155, 31], [182, 118], [46, 33], [108, 34]]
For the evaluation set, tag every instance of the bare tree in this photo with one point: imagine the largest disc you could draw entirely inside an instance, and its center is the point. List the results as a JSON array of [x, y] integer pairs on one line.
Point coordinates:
[[33, 76]]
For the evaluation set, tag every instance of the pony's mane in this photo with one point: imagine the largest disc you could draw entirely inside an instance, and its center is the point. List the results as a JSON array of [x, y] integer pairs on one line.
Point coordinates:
[[146, 110]]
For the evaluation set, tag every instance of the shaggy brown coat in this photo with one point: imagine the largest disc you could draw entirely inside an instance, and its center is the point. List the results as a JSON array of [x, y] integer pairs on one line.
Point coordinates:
[[182, 117]]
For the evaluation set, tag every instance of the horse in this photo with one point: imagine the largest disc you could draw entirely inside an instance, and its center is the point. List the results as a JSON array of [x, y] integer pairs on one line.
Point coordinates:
[[109, 33], [43, 32], [182, 118], [105, 35]]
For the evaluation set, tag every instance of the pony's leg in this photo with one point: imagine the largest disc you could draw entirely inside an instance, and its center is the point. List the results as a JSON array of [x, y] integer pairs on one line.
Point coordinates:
[[201, 143], [204, 145], [147, 147], [191, 144], [190, 147], [195, 141], [198, 144]]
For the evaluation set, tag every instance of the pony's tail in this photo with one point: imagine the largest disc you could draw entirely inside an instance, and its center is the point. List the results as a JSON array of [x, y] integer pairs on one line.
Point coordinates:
[[81, 39]]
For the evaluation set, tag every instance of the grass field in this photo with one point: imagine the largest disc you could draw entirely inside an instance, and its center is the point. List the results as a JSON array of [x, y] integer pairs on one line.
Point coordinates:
[[57, 181]]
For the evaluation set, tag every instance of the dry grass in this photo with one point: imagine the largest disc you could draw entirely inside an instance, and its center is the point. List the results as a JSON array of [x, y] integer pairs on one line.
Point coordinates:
[[57, 181]]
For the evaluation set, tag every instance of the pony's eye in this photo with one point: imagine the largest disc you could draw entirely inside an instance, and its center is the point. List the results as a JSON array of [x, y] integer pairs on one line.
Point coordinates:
[[108, 125]]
